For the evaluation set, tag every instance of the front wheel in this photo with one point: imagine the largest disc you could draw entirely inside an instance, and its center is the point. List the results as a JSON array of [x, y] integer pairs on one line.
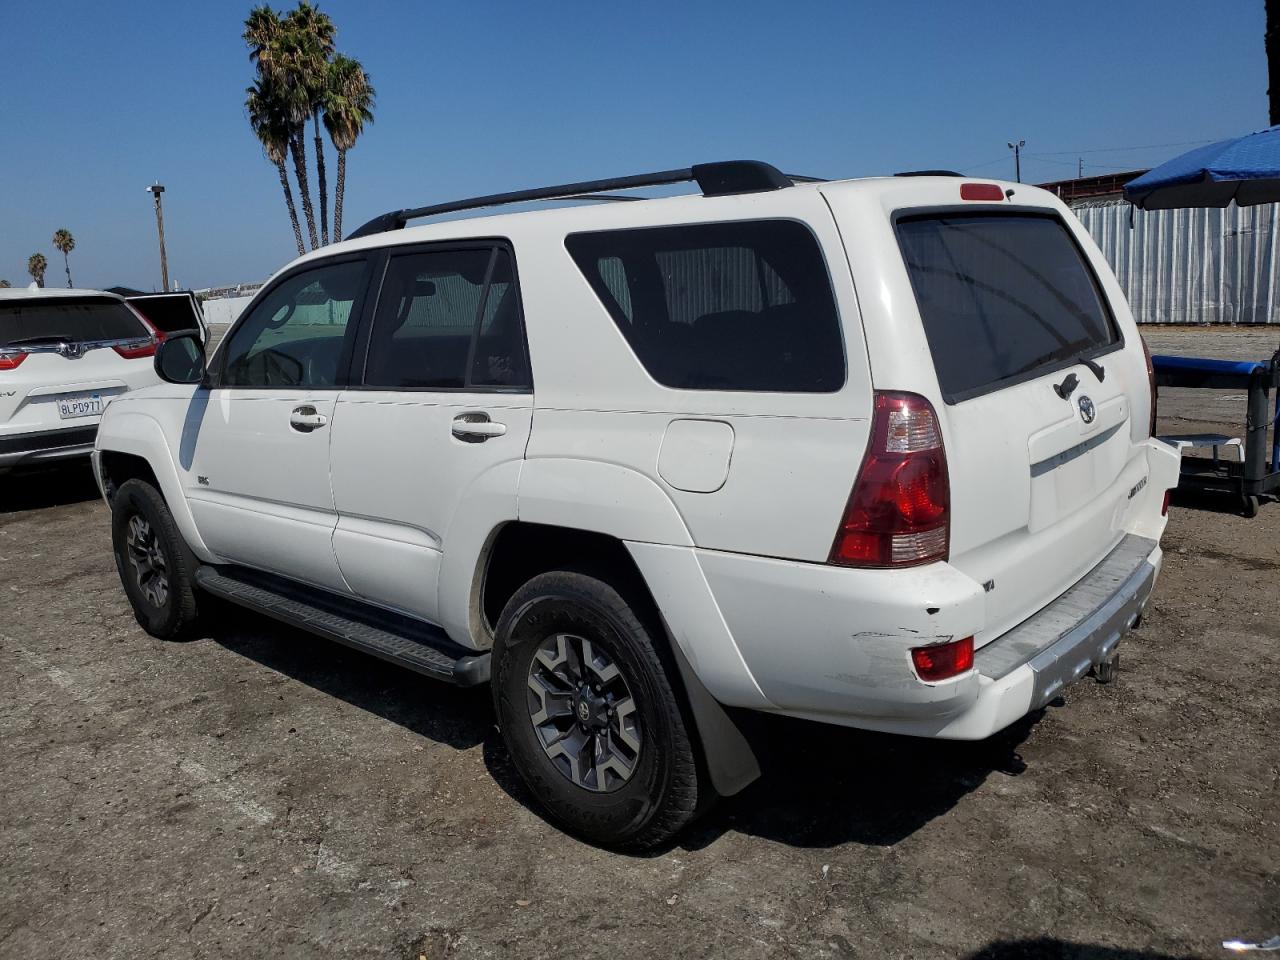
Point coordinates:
[[589, 714], [155, 565]]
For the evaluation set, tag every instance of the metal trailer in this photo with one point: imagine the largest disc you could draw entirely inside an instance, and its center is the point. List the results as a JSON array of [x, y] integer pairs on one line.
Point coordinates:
[[1258, 474]]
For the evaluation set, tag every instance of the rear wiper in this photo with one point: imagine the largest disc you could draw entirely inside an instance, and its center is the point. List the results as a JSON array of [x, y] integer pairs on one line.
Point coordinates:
[[56, 338], [1095, 366]]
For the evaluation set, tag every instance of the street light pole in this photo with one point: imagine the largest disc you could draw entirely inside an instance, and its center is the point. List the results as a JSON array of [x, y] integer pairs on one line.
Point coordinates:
[[1017, 158], [156, 189]]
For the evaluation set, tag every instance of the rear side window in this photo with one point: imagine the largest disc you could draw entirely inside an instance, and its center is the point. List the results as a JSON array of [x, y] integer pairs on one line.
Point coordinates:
[[720, 306], [1001, 297], [70, 320]]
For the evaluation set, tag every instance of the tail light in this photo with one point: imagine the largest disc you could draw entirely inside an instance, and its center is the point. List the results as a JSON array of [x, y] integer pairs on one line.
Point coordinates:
[[899, 513], [943, 660], [1151, 380], [10, 359], [135, 351], [1164, 507]]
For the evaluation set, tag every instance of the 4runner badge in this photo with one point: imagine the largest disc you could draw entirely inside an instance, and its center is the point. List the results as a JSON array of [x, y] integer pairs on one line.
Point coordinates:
[[1087, 411]]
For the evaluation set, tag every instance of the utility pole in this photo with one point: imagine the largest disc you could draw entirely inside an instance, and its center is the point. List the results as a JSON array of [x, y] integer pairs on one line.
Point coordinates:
[[1271, 40], [1017, 158], [1080, 170], [156, 189]]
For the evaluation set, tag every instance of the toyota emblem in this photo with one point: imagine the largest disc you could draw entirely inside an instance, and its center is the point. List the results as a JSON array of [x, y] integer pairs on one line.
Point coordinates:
[[1087, 411]]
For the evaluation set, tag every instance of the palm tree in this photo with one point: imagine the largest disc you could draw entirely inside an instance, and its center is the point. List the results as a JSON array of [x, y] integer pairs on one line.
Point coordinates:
[[348, 106], [271, 127], [65, 242], [313, 33], [284, 63], [36, 266]]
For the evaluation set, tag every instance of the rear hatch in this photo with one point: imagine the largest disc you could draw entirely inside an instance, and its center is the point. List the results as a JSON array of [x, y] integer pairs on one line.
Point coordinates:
[[62, 359], [1038, 397], [171, 312]]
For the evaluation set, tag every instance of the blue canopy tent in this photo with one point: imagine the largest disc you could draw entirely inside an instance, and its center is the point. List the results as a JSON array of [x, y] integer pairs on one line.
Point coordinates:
[[1246, 170]]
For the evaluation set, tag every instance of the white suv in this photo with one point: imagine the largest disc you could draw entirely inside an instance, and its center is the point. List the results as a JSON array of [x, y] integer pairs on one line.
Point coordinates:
[[64, 355], [873, 452]]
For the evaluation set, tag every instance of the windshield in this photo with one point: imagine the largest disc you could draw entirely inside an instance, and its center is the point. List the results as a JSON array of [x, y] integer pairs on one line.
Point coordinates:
[[70, 320], [1001, 296]]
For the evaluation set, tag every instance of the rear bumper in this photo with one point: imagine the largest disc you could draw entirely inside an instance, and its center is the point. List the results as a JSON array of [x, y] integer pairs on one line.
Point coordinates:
[[40, 446], [834, 645]]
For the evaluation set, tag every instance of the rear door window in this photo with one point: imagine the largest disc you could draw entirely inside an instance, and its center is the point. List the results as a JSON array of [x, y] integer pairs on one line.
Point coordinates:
[[743, 306], [1002, 297], [448, 320], [71, 320]]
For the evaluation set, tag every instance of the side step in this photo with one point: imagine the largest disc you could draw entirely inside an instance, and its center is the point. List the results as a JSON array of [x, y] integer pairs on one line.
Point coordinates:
[[397, 639]]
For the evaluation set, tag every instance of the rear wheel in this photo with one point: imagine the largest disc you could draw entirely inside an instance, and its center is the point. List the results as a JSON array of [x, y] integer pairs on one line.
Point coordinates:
[[589, 714], [156, 567]]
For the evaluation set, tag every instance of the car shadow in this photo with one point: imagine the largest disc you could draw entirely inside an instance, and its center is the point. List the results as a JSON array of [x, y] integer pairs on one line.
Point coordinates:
[[1048, 948], [821, 785], [458, 717], [39, 489]]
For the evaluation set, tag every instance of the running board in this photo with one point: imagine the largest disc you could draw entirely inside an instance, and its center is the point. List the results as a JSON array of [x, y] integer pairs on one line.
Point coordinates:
[[396, 639]]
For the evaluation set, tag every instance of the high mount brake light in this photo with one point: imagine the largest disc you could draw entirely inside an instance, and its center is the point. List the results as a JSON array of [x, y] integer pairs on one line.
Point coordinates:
[[899, 513], [981, 191]]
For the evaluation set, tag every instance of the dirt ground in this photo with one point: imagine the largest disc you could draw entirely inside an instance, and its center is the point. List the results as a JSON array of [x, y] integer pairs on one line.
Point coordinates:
[[259, 793]]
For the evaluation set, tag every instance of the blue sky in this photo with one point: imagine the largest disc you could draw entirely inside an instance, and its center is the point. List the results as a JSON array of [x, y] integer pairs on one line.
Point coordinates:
[[97, 100]]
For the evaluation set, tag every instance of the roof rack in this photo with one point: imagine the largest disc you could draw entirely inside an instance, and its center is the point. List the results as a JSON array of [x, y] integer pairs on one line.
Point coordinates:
[[714, 179], [928, 173]]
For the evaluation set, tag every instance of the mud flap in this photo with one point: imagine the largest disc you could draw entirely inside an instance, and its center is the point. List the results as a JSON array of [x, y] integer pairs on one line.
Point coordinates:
[[731, 763]]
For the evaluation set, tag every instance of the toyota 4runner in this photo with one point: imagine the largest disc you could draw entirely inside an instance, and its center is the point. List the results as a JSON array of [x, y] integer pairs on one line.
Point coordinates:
[[874, 453]]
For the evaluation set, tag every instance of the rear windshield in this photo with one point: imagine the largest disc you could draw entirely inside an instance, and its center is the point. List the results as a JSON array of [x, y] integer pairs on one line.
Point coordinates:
[[170, 313], [1001, 297], [720, 306], [74, 320]]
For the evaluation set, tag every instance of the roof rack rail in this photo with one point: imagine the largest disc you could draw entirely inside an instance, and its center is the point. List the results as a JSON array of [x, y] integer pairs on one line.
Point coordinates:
[[928, 173], [714, 179]]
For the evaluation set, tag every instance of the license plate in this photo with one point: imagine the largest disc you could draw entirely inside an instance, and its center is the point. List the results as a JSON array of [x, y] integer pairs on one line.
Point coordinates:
[[84, 405]]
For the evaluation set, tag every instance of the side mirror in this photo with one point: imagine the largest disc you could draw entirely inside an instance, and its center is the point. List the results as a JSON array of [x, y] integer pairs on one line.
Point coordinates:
[[180, 358]]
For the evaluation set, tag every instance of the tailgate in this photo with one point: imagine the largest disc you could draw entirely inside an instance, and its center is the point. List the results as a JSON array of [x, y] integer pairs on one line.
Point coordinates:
[[1039, 402]]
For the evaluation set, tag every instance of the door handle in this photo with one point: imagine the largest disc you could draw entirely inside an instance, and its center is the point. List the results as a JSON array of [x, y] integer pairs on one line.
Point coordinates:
[[476, 427], [305, 419]]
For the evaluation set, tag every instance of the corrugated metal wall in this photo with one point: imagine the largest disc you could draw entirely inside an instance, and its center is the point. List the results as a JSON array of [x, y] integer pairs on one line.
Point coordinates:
[[1192, 266]]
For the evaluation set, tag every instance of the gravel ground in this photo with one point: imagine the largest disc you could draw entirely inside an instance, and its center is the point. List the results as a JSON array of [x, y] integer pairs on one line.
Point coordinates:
[[260, 793]]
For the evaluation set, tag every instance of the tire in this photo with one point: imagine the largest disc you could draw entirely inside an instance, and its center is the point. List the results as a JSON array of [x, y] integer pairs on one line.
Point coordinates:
[[635, 799], [155, 564]]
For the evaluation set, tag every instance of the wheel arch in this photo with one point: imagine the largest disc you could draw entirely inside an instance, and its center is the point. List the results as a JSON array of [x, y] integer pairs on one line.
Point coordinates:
[[520, 550], [134, 445]]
